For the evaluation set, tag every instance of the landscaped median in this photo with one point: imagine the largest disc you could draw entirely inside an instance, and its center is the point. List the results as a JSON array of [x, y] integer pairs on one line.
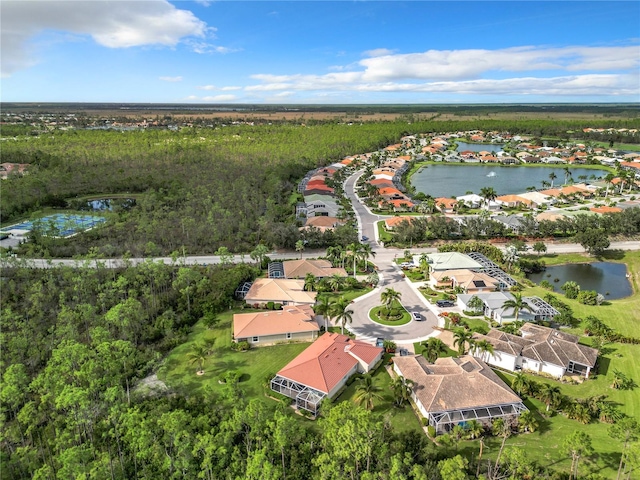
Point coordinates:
[[395, 316]]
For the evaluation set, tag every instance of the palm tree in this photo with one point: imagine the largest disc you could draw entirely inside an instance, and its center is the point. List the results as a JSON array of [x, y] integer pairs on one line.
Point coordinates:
[[310, 282], [527, 422], [484, 348], [198, 354], [365, 252], [300, 247], [323, 307], [402, 389], [433, 348], [489, 194], [341, 313], [552, 177], [460, 338], [335, 255], [367, 392], [549, 394], [474, 429], [388, 296], [517, 304], [521, 383], [334, 282], [354, 250], [545, 184], [567, 175]]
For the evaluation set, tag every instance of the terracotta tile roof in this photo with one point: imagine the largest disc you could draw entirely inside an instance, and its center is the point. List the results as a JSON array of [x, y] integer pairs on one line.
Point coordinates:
[[400, 203], [292, 319], [454, 383], [326, 362], [319, 268], [389, 191], [635, 165], [279, 290], [395, 221], [448, 203], [606, 209], [513, 199]]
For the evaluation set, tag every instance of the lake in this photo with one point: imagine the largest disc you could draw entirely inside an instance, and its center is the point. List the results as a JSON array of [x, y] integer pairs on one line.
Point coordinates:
[[602, 277], [457, 179]]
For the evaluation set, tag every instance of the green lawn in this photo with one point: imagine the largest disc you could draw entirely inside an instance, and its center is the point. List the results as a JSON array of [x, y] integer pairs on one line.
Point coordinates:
[[383, 235], [403, 419], [255, 365]]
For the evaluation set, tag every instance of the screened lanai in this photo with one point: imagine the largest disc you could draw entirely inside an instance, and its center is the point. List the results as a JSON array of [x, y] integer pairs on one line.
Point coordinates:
[[445, 421], [306, 398]]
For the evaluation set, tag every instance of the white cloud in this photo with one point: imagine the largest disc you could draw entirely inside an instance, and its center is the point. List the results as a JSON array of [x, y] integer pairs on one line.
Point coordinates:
[[113, 25], [378, 52], [223, 89], [579, 70], [171, 79], [220, 98]]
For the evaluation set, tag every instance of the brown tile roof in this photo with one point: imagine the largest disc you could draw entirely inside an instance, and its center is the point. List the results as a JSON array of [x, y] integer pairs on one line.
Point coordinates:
[[454, 383], [322, 221], [466, 278], [326, 362], [319, 268], [381, 181], [292, 319], [553, 346], [279, 290]]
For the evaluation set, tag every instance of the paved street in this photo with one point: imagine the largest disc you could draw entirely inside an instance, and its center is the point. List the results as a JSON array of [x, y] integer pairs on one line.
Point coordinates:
[[390, 275]]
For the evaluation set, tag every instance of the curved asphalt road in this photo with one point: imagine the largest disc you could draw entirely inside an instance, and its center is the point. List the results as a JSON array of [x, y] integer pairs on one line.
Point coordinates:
[[390, 277]]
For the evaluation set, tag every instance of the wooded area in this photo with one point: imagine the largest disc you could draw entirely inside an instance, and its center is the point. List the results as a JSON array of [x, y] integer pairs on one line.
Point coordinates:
[[200, 188]]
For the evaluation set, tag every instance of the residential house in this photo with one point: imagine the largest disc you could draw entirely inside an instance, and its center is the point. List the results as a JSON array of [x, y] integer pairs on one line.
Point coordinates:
[[322, 223], [323, 368], [448, 261], [453, 391], [291, 324], [537, 309], [393, 222], [512, 222], [539, 349], [467, 280], [279, 290], [318, 268]]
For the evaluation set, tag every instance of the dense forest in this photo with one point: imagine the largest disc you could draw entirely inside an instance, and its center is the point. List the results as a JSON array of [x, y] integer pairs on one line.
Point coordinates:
[[200, 187], [76, 343]]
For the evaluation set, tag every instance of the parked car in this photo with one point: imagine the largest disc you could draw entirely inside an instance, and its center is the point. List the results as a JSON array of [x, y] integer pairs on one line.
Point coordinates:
[[364, 239], [379, 342], [444, 303], [416, 316]]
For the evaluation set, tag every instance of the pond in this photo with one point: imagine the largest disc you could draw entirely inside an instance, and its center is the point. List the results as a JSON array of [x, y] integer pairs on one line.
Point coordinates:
[[609, 279], [109, 204], [449, 180]]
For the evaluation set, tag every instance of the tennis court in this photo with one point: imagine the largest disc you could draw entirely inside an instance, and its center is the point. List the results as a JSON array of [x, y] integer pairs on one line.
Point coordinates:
[[57, 225]]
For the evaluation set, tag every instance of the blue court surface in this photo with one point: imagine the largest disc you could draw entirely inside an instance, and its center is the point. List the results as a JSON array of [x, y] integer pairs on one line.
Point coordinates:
[[58, 225]]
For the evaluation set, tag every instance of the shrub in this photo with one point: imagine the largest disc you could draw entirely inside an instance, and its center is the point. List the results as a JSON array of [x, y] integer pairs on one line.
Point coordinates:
[[588, 297], [546, 285], [270, 305], [240, 346], [277, 306]]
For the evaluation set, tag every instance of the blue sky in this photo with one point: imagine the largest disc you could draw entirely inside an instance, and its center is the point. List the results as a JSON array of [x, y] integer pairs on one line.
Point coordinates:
[[320, 52]]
